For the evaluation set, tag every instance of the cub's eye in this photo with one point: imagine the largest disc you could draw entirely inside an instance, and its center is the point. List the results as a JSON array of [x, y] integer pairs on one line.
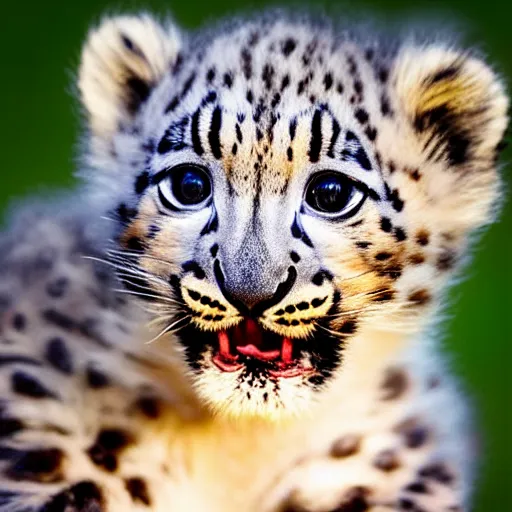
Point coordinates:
[[185, 187], [334, 195]]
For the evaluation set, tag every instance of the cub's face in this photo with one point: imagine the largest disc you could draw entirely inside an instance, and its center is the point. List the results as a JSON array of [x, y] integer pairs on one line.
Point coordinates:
[[281, 195]]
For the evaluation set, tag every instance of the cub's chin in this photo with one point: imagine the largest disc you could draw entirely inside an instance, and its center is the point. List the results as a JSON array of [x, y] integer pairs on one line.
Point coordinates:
[[251, 370]]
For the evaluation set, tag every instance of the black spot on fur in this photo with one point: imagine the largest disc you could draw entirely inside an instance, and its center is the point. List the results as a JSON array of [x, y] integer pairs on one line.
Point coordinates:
[[149, 407], [141, 182], [385, 225], [285, 82], [386, 460], [9, 426], [382, 256], [138, 491], [294, 256], [423, 237], [124, 213], [246, 58], [418, 487], [288, 46], [316, 303], [193, 266], [437, 472], [137, 93], [82, 497], [19, 321], [96, 379], [58, 355], [210, 75], [355, 500], [346, 446], [28, 385], [328, 81], [267, 76], [362, 115], [446, 260], [57, 288], [42, 465], [228, 80], [108, 444], [419, 297], [414, 434], [394, 384], [319, 277]]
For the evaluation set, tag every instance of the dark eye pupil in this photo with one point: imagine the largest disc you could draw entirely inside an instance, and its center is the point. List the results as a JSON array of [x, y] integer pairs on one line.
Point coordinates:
[[329, 194], [190, 186]]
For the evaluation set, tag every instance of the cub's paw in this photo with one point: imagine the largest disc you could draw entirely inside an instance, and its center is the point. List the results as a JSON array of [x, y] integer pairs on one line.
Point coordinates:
[[434, 489], [376, 474]]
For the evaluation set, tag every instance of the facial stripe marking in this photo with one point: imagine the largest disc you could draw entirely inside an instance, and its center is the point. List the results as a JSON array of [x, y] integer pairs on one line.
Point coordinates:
[[293, 128], [298, 232], [282, 290], [335, 134], [196, 139], [212, 225], [193, 266], [214, 133], [315, 144]]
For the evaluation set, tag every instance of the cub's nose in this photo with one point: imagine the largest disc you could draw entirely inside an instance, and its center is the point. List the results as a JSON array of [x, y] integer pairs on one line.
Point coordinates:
[[253, 290]]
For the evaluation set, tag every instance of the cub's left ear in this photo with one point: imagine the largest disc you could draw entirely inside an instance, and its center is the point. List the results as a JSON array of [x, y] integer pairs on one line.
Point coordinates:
[[122, 60], [456, 104]]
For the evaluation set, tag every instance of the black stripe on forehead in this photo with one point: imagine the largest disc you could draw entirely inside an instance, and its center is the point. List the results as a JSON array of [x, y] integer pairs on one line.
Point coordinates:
[[334, 138], [315, 144], [214, 133], [196, 138]]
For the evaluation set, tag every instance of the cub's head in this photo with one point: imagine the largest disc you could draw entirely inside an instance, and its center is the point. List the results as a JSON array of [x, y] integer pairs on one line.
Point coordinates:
[[290, 200]]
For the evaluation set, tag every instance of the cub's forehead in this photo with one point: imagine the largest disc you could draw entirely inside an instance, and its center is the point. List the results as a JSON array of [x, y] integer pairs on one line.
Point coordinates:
[[271, 98], [283, 66]]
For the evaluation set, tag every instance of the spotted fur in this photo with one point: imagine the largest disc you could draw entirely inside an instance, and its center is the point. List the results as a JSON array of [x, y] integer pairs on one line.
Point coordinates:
[[111, 310]]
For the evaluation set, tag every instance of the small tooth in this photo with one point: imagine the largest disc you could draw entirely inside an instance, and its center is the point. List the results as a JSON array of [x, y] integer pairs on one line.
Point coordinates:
[[224, 343], [286, 350]]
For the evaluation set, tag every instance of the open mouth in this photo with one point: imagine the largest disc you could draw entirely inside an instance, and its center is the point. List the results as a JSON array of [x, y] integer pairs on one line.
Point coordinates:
[[248, 343]]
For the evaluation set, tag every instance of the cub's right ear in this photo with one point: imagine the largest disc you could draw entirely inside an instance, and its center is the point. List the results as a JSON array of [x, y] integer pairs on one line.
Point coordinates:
[[122, 60]]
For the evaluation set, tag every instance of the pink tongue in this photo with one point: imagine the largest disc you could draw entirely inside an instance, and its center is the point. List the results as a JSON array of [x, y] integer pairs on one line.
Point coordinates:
[[253, 351]]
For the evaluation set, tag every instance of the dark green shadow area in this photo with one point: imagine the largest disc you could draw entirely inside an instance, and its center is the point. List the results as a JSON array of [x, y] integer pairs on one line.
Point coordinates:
[[39, 48]]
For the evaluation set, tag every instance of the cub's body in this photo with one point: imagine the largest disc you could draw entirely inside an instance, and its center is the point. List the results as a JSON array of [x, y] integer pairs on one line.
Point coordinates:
[[113, 403]]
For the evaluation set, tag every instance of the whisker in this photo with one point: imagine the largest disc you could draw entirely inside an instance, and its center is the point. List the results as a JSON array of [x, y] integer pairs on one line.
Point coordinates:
[[330, 331], [115, 252], [354, 277], [149, 295], [167, 329]]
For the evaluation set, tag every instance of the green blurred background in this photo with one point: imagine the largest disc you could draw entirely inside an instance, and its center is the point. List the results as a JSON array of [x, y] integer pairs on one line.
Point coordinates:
[[39, 49]]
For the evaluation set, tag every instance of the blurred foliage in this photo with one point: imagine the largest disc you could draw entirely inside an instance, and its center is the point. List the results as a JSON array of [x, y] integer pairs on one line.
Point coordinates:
[[40, 45]]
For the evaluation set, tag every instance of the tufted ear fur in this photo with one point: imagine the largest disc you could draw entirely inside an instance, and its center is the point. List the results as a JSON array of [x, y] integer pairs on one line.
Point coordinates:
[[122, 60], [455, 102]]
